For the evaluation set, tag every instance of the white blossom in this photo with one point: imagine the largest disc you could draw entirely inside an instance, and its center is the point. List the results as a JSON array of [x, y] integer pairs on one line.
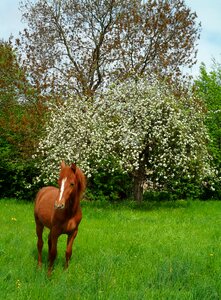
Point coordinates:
[[116, 128]]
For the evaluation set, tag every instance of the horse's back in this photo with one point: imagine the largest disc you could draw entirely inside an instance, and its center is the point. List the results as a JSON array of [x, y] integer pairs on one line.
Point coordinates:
[[44, 205]]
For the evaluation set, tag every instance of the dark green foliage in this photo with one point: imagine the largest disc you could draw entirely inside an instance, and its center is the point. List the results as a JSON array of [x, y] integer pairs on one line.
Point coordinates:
[[17, 171], [209, 89], [184, 188], [16, 174], [153, 196], [109, 186]]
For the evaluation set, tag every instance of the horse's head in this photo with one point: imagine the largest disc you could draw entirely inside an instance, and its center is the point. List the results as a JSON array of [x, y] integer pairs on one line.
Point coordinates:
[[68, 185]]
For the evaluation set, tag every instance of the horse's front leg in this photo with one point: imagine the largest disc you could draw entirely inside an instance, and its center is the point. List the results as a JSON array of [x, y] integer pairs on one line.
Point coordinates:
[[70, 241], [52, 248]]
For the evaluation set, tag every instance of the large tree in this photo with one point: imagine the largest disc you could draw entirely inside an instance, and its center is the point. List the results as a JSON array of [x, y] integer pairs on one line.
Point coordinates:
[[79, 46], [136, 127]]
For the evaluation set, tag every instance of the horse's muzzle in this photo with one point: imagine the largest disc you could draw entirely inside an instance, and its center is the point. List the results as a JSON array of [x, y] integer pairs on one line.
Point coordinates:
[[59, 206]]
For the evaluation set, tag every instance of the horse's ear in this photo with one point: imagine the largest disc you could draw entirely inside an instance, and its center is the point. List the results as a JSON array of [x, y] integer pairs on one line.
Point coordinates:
[[73, 167], [62, 164]]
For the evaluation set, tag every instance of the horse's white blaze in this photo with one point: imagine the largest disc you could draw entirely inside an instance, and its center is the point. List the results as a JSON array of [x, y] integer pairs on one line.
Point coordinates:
[[62, 188]]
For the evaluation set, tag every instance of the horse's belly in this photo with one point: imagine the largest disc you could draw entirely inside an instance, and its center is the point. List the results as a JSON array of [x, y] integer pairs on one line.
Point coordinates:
[[44, 206]]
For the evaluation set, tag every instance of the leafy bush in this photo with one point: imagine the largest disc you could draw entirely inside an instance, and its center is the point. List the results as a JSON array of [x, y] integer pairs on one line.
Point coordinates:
[[104, 185], [208, 88], [16, 174]]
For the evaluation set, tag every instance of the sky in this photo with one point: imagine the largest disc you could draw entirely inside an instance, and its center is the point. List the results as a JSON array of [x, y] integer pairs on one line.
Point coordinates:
[[208, 12]]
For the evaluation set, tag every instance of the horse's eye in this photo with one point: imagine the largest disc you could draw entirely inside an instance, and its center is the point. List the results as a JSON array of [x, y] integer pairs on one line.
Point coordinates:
[[72, 184]]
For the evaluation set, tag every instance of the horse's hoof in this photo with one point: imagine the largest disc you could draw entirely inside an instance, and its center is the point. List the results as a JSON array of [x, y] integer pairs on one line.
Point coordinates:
[[39, 265], [50, 269]]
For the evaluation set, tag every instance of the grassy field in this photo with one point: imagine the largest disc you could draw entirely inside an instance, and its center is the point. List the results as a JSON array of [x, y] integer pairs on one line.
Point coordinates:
[[156, 251]]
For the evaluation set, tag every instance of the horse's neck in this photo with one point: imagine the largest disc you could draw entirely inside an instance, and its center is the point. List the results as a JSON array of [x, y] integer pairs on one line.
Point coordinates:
[[73, 204]]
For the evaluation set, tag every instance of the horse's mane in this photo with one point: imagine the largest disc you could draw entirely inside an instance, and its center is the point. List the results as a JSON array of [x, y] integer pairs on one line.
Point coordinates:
[[81, 181]]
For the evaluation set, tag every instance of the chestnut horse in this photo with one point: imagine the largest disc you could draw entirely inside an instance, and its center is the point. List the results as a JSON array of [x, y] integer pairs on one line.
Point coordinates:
[[59, 210]]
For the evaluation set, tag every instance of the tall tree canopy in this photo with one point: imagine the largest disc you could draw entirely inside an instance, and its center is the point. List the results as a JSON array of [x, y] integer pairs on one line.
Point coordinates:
[[81, 45], [12, 77]]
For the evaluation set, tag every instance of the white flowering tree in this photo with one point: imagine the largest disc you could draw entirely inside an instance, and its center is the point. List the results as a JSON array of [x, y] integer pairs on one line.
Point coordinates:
[[139, 127]]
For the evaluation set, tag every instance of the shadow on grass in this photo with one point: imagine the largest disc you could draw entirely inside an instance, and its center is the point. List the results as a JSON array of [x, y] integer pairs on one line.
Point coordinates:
[[44, 255]]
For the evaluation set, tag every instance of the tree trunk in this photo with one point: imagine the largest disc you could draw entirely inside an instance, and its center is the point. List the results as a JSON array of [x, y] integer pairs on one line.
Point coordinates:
[[138, 188], [139, 176]]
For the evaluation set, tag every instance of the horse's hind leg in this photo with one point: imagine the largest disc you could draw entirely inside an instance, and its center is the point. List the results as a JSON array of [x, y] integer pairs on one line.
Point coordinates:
[[39, 231]]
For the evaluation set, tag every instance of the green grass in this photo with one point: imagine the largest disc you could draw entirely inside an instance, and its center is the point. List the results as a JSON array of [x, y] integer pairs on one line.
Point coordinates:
[[170, 250]]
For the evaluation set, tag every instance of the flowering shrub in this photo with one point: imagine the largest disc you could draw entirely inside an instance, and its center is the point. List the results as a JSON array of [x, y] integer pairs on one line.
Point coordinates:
[[138, 127]]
